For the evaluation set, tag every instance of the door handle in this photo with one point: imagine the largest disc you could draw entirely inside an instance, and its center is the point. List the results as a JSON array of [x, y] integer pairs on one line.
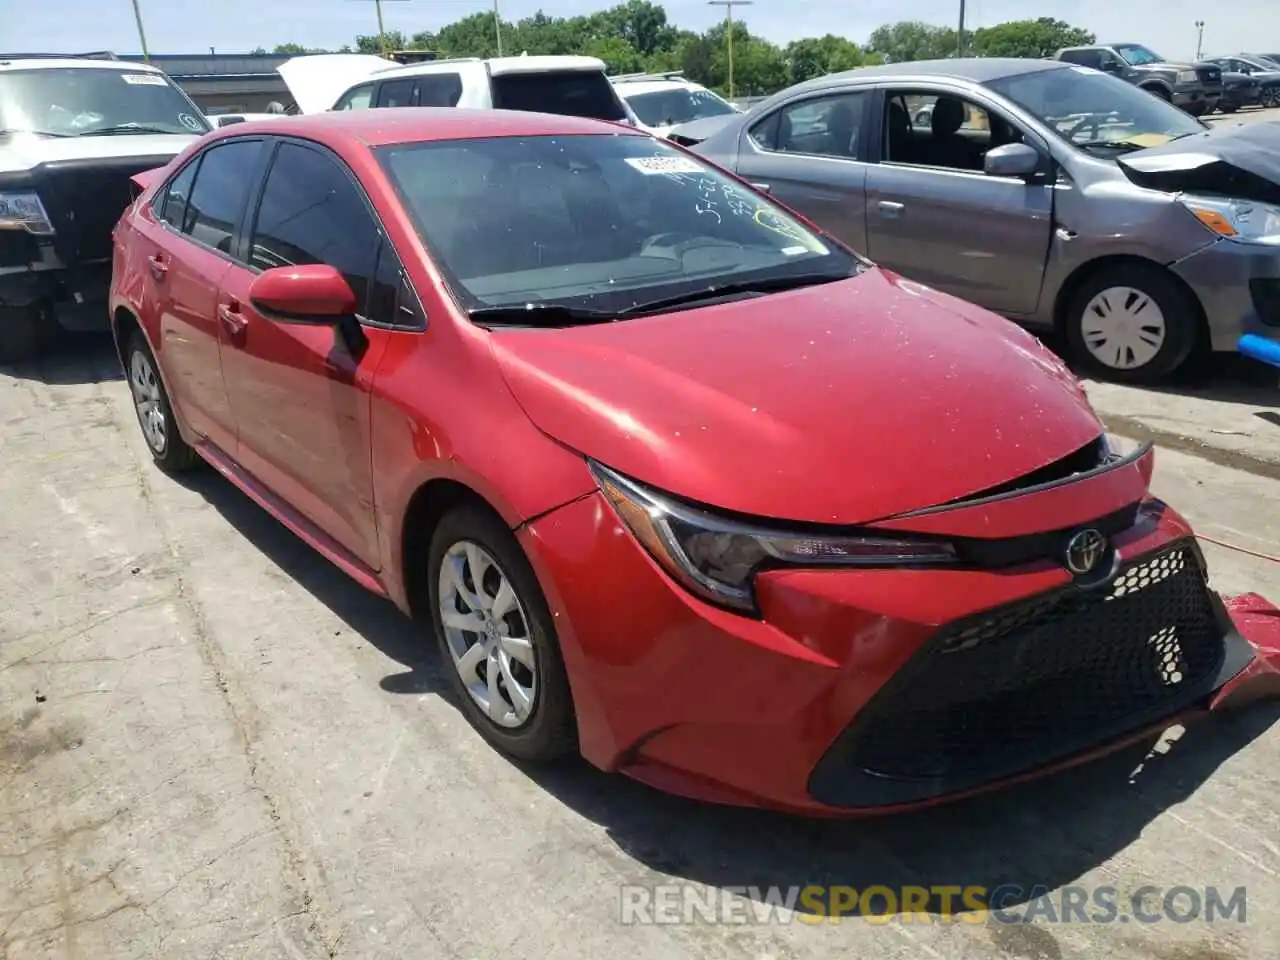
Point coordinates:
[[762, 187], [232, 319], [890, 209], [158, 267]]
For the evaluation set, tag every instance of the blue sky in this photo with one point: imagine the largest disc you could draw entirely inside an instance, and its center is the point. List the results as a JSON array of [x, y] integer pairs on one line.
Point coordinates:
[[189, 26]]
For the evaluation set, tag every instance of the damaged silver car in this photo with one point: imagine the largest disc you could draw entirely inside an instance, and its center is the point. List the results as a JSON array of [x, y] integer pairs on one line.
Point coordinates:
[[1055, 194]]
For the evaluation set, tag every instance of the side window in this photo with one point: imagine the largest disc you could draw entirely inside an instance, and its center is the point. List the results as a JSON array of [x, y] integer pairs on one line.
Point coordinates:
[[221, 189], [357, 98], [1085, 58], [439, 90], [825, 126], [940, 130], [173, 205], [396, 93], [392, 299], [312, 212]]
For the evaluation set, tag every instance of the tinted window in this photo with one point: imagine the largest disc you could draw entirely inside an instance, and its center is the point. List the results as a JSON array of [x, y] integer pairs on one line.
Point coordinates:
[[1086, 58], [598, 222], [391, 298], [221, 189], [396, 93], [172, 208], [825, 126], [439, 90], [87, 101], [311, 212], [574, 93], [356, 99]]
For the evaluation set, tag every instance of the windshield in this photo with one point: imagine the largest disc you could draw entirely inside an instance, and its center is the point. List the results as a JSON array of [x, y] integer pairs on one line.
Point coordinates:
[[574, 93], [81, 101], [1136, 54], [680, 105], [595, 222], [1095, 111]]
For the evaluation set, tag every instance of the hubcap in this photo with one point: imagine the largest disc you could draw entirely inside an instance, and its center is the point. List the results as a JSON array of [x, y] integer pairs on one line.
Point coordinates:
[[1123, 328], [488, 634], [146, 401]]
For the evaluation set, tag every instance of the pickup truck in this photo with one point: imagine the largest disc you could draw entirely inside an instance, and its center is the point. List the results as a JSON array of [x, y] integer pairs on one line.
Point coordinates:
[[1195, 87]]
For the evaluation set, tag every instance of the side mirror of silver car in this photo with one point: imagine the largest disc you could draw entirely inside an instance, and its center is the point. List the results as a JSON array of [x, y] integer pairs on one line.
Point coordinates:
[[1011, 160]]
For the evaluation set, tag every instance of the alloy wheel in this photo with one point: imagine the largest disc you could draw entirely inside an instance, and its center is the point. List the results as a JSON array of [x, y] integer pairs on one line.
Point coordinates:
[[1123, 328], [147, 402], [488, 634]]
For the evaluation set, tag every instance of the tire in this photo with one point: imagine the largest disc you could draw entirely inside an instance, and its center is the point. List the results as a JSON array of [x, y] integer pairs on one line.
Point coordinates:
[[1162, 92], [1197, 109], [1229, 107], [25, 333], [1127, 292], [170, 452], [547, 729]]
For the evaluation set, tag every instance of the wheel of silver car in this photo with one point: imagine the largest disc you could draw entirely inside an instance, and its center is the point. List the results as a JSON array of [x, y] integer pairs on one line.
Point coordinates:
[[497, 636], [487, 630], [155, 414], [145, 385], [1132, 321]]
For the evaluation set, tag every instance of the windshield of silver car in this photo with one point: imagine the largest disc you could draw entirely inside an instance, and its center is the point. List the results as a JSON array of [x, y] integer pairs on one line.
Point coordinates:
[[89, 101], [680, 105], [605, 224], [1095, 111]]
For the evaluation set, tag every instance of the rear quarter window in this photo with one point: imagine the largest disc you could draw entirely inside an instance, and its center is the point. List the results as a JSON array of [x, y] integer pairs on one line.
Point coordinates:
[[574, 93]]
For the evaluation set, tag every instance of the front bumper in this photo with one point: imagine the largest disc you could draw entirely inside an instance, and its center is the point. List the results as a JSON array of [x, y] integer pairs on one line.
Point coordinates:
[[1186, 95], [75, 298], [1238, 285], [829, 705]]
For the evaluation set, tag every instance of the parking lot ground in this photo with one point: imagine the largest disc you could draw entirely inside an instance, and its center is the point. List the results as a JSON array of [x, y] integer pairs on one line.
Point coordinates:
[[213, 745]]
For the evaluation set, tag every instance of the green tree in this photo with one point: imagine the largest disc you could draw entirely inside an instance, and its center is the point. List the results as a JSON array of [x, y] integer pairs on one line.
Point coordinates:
[[371, 44], [818, 56], [912, 40], [1041, 37]]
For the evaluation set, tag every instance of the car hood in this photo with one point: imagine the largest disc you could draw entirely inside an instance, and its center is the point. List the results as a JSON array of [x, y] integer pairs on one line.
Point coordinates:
[[695, 131], [845, 403], [315, 81], [21, 151], [1241, 161]]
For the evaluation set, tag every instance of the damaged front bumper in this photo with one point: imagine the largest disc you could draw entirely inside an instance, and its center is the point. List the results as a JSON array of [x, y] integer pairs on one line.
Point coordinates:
[[1258, 621], [72, 298]]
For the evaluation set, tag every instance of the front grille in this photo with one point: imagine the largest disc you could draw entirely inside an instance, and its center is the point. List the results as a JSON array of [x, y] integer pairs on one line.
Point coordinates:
[[84, 200], [1037, 681]]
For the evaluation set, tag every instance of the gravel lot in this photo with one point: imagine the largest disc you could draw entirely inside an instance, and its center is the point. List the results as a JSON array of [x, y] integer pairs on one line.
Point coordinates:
[[214, 745]]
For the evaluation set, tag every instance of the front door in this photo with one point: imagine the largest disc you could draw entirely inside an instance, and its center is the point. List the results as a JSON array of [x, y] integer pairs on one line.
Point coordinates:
[[300, 392], [809, 155], [935, 217]]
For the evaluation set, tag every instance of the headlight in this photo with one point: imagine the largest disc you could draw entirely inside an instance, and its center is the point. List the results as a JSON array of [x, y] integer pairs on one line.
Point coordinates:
[[717, 558], [1241, 220], [24, 211], [1187, 76]]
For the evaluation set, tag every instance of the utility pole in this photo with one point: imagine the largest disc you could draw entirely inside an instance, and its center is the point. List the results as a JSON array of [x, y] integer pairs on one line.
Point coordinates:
[[497, 26], [142, 34], [960, 33], [728, 31], [1199, 39], [382, 31]]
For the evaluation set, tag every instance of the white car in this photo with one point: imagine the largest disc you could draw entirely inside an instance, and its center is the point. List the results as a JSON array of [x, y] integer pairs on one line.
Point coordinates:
[[73, 133], [665, 100], [575, 86]]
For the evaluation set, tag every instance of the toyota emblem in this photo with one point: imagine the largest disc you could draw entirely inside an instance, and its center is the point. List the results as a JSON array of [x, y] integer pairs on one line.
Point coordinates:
[[1084, 550]]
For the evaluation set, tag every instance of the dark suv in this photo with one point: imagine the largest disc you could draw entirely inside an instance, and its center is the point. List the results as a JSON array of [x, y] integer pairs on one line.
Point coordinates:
[[1195, 87]]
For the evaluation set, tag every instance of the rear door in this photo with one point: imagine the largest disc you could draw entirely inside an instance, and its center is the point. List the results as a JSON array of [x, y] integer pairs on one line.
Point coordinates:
[[197, 216], [935, 216], [811, 154], [300, 391], [397, 93]]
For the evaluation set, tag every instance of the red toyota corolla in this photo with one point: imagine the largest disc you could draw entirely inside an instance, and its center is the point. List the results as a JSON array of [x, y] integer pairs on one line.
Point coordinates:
[[677, 480]]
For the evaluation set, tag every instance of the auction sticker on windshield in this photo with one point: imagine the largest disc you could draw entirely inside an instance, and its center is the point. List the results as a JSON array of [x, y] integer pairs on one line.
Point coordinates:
[[658, 165], [144, 79]]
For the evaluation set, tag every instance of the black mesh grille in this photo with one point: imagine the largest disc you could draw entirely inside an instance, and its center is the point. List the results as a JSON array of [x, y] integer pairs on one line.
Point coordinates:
[[1038, 681]]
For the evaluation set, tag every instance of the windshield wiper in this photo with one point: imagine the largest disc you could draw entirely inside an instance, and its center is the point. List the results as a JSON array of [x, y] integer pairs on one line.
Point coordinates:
[[768, 285], [1115, 144], [540, 315], [37, 133], [124, 128]]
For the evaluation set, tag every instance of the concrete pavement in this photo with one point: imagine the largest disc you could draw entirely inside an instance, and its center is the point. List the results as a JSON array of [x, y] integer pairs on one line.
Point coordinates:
[[213, 745]]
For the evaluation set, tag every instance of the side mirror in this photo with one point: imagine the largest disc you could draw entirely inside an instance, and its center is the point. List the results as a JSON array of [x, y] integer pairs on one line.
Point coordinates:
[[1109, 66], [311, 293], [1011, 160]]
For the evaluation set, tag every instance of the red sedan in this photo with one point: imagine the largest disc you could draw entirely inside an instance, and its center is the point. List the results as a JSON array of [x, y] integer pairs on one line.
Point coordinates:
[[677, 480]]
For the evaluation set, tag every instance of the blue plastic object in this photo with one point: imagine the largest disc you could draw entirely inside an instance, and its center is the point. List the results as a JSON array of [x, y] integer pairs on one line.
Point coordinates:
[[1260, 348]]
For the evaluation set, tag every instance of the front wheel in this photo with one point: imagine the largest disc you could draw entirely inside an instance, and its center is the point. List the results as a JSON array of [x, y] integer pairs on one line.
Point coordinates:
[[497, 637], [1228, 107], [1132, 322]]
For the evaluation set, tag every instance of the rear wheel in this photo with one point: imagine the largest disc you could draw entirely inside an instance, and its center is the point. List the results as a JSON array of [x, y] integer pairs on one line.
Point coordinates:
[[25, 333], [1132, 322], [155, 414]]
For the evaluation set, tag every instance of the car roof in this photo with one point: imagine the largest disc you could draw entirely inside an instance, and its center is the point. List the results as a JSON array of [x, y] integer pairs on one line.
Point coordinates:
[[498, 66], [382, 126], [74, 63], [632, 87], [971, 69]]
